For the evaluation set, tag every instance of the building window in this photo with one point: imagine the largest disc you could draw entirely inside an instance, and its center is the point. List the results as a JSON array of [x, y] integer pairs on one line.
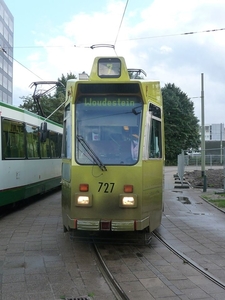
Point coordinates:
[[11, 25], [10, 71], [6, 18], [5, 66], [10, 86], [9, 99], [6, 34], [1, 28], [10, 40], [1, 10], [5, 81], [10, 54], [5, 99], [6, 59]]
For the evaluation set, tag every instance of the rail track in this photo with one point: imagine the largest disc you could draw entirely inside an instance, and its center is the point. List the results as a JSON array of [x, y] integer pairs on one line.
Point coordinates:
[[115, 286], [138, 254], [189, 261]]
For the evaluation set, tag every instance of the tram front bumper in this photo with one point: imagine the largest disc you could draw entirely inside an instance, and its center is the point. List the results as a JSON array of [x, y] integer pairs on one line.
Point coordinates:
[[108, 225]]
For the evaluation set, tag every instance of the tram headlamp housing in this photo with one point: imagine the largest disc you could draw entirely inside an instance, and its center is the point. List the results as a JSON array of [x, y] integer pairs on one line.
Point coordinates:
[[84, 200], [128, 201]]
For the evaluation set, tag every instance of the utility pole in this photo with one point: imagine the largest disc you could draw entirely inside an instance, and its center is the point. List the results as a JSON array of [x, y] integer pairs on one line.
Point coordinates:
[[203, 134], [221, 143]]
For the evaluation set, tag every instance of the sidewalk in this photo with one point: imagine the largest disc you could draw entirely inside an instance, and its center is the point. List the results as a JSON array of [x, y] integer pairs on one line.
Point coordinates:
[[193, 226]]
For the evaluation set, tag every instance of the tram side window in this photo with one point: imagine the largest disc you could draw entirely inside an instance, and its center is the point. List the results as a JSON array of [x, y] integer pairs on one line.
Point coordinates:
[[59, 146], [155, 140], [33, 146], [55, 144], [66, 148], [13, 139], [45, 148]]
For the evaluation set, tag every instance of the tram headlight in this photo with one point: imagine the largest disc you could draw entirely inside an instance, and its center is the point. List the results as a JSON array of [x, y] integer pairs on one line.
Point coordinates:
[[84, 200], [128, 201]]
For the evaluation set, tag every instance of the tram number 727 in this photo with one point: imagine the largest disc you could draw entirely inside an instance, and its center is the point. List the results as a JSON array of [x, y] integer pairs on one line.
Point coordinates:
[[106, 187]]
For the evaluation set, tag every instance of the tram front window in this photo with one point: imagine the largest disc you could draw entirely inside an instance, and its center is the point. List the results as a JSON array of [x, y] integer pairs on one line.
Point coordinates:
[[110, 127]]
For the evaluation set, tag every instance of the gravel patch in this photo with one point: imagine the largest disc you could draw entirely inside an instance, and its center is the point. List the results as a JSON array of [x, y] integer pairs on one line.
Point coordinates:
[[214, 178]]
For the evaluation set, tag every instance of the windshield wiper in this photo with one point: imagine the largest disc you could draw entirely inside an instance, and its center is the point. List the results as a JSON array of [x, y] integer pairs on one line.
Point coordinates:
[[135, 110], [91, 152]]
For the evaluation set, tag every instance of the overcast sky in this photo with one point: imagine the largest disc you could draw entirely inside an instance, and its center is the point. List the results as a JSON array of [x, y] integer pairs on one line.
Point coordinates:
[[52, 38]]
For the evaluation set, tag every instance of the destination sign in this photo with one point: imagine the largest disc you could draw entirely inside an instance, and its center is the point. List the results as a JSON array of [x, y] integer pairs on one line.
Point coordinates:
[[109, 102]]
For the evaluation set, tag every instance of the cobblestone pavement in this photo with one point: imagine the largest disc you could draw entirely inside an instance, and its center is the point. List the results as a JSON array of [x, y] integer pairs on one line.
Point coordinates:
[[38, 261]]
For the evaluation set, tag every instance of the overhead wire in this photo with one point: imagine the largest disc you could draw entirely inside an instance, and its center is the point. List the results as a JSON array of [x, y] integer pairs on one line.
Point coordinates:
[[3, 49], [113, 46], [130, 39], [176, 34], [27, 69], [6, 53], [120, 24]]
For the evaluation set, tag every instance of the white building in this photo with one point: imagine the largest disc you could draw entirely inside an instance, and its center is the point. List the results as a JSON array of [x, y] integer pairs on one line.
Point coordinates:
[[214, 132], [6, 53]]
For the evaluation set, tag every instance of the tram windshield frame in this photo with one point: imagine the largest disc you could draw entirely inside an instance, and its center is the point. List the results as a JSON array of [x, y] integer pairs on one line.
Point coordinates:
[[108, 129]]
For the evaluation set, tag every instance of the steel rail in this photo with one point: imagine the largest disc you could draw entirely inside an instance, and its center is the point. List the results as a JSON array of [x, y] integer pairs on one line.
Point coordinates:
[[116, 289], [189, 261]]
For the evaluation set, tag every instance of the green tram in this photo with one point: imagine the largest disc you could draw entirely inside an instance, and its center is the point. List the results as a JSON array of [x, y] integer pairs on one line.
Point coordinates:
[[113, 151], [30, 158]]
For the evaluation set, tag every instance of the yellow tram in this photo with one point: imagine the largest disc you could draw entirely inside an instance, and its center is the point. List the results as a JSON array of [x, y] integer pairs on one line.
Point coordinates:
[[113, 151]]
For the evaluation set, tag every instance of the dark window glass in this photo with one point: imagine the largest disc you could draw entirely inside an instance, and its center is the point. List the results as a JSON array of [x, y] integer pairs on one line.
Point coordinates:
[[13, 139], [66, 148], [155, 140], [32, 139], [108, 129]]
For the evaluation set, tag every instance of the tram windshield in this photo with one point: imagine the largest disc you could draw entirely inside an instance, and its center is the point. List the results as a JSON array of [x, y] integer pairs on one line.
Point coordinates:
[[108, 130]]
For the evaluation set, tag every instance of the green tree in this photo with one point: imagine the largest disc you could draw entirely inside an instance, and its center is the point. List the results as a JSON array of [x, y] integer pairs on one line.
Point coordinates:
[[29, 104], [50, 102], [181, 125], [63, 80]]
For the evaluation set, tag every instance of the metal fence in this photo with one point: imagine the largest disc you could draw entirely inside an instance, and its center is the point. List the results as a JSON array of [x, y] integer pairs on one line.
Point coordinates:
[[213, 157], [210, 160]]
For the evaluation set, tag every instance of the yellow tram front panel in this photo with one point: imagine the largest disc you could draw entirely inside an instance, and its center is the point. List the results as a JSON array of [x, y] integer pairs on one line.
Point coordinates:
[[107, 192], [106, 199]]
